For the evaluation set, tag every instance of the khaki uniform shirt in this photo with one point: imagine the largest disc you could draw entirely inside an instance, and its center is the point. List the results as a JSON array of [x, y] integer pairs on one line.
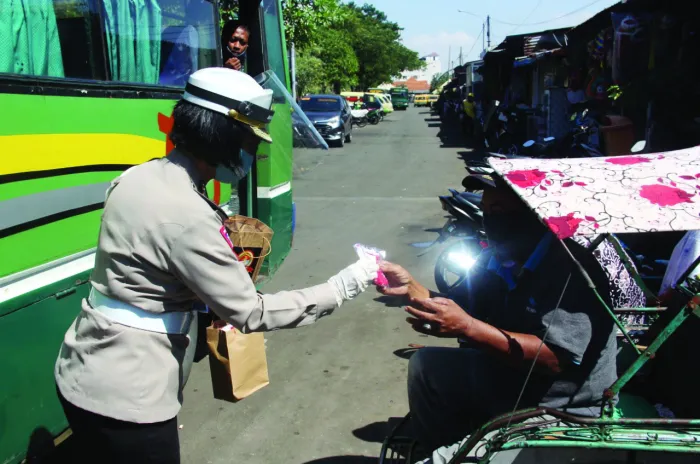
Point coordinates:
[[161, 249]]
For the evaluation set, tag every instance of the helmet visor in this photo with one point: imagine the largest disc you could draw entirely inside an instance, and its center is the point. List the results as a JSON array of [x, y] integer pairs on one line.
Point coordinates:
[[288, 113]]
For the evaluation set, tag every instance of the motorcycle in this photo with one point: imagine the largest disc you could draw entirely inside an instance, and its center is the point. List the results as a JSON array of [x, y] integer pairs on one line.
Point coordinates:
[[576, 144], [374, 116], [359, 117], [455, 263]]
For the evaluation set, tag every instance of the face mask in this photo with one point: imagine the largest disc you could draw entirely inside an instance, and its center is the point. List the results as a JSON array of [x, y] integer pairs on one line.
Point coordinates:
[[240, 56], [227, 175]]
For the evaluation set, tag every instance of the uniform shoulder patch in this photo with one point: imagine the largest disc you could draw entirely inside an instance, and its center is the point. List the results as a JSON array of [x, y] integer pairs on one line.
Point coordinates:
[[224, 234]]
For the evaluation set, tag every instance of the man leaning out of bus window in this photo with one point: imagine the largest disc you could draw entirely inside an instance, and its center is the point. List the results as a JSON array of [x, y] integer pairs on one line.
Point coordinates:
[[235, 41]]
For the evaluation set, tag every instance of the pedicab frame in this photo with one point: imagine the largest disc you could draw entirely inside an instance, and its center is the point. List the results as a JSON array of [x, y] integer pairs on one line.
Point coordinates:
[[599, 197]]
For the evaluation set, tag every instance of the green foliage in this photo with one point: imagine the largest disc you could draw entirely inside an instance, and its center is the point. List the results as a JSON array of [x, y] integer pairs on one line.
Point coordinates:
[[310, 74], [228, 10], [439, 80], [340, 65], [377, 44], [359, 48], [305, 19]]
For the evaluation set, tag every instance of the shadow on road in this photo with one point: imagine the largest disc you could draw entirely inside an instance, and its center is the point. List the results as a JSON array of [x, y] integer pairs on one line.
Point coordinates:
[[376, 432], [390, 301], [344, 460], [405, 353]]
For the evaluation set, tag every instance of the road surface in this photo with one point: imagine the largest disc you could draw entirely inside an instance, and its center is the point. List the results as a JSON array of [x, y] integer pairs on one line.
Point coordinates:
[[335, 384]]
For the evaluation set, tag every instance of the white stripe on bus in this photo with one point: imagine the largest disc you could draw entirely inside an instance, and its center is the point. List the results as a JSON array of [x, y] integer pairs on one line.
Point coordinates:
[[272, 192], [16, 288]]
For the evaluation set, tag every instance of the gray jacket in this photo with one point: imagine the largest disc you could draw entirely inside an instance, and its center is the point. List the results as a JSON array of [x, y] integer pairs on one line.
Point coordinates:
[[160, 248]]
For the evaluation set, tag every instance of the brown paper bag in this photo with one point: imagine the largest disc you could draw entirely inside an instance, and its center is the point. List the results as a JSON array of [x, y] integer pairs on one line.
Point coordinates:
[[251, 240], [238, 362]]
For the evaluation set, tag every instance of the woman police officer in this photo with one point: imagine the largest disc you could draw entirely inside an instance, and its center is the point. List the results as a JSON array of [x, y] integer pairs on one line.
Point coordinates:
[[162, 250]]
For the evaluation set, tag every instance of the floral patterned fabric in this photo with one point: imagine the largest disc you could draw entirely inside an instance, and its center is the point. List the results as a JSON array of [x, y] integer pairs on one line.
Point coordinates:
[[624, 291], [590, 196]]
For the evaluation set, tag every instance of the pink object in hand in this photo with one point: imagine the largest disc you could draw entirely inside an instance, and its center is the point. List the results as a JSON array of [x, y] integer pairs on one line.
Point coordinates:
[[364, 252], [381, 279]]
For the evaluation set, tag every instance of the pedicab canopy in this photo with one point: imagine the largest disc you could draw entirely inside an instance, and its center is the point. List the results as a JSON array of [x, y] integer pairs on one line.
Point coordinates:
[[589, 196]]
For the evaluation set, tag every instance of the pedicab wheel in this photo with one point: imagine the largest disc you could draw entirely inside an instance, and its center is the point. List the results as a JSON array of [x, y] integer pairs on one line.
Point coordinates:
[[361, 123], [398, 449]]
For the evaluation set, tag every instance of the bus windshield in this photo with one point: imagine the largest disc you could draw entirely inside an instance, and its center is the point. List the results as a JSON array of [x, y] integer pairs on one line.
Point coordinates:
[[399, 93]]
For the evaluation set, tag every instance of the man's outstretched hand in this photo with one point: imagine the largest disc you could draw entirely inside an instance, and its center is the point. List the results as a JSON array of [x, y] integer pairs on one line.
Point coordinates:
[[401, 283], [444, 318]]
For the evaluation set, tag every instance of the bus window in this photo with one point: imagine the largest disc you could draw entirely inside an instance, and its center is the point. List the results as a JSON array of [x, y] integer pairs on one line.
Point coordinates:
[[161, 43], [189, 39], [274, 54]]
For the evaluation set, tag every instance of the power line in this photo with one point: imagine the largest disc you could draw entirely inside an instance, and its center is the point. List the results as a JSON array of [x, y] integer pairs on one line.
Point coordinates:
[[528, 16], [535, 23], [475, 42]]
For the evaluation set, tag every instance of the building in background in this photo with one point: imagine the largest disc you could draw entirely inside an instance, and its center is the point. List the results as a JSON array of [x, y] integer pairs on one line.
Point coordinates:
[[431, 69], [413, 85]]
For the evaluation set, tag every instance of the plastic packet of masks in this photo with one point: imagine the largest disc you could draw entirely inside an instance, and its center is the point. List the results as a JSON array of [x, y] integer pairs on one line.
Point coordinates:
[[365, 252]]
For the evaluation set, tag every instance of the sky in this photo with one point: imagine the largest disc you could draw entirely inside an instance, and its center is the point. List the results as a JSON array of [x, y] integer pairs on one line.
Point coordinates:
[[437, 25]]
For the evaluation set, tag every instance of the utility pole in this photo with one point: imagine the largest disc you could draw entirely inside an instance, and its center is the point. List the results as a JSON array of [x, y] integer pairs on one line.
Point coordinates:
[[488, 32], [460, 56]]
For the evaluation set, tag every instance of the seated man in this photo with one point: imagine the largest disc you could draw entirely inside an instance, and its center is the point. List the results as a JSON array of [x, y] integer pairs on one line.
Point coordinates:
[[529, 304]]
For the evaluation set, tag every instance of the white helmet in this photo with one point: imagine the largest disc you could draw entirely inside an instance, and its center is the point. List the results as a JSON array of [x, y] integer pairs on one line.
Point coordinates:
[[234, 94]]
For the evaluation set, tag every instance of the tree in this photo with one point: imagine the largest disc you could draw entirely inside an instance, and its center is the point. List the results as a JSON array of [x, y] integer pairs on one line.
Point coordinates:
[[304, 19], [310, 74], [438, 80], [340, 64], [377, 45]]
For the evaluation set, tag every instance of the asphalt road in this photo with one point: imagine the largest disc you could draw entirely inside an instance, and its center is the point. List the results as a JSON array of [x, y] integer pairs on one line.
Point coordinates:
[[336, 384]]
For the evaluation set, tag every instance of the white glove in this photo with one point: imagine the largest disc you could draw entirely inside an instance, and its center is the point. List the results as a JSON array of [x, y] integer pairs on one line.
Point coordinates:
[[354, 279]]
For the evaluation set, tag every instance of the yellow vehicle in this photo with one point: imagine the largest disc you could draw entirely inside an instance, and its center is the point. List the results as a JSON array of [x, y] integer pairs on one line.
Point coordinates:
[[432, 99], [420, 100], [387, 106]]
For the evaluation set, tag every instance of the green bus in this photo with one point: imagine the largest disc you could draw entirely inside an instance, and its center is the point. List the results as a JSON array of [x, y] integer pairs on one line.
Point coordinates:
[[399, 98], [87, 89]]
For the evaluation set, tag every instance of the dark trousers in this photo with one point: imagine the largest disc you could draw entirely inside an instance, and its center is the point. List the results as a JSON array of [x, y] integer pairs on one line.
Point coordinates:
[[468, 126], [109, 441]]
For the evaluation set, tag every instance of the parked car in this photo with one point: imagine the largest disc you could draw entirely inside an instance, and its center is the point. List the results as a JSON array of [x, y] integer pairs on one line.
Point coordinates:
[[420, 100], [387, 106], [331, 116]]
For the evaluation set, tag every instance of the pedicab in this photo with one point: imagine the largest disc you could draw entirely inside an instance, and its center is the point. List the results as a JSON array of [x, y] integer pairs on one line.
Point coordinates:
[[596, 199]]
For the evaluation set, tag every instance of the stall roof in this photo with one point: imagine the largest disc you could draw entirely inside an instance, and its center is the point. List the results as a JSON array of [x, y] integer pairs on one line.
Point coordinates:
[[602, 20], [537, 56], [589, 196], [526, 44]]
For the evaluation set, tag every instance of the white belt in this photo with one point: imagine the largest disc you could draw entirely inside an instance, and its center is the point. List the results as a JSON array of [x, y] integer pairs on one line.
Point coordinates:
[[123, 313]]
